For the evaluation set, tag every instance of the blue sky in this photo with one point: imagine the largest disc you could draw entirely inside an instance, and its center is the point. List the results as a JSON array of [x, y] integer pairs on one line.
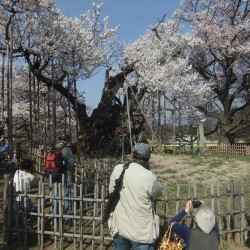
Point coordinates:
[[133, 17]]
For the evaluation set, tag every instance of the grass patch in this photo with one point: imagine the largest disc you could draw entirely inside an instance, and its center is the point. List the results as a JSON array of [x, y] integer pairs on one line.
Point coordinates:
[[169, 171], [231, 158], [216, 163]]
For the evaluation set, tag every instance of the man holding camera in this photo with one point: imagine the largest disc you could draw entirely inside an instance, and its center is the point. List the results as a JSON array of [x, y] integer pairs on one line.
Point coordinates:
[[133, 222]]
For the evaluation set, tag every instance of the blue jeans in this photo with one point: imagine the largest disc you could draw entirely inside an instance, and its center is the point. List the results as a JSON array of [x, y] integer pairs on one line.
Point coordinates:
[[67, 191], [121, 243], [66, 205]]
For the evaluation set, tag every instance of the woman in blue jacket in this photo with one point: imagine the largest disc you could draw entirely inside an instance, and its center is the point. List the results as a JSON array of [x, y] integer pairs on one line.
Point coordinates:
[[204, 236]]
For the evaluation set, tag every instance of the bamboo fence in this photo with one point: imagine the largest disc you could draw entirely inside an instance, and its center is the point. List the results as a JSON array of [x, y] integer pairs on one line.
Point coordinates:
[[82, 227], [238, 149]]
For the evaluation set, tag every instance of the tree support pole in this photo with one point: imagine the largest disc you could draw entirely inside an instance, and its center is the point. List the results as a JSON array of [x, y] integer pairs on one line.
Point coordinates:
[[128, 111]]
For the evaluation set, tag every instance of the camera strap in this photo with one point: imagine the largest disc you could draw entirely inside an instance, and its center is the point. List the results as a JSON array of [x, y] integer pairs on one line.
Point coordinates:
[[119, 181]]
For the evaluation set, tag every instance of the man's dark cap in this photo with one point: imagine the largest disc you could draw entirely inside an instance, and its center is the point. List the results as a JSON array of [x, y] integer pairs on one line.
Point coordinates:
[[142, 149], [65, 137]]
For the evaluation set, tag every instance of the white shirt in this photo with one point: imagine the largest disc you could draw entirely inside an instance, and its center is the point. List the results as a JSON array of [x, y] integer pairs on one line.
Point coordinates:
[[23, 179]]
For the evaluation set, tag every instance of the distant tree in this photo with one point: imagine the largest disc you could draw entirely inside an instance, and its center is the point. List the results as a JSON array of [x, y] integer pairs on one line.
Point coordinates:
[[222, 59]]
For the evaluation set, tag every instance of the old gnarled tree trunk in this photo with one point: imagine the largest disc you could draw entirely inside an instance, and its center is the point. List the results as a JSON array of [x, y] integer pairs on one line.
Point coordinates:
[[107, 128]]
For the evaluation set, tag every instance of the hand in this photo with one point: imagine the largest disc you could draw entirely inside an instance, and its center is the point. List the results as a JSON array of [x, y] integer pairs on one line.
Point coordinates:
[[189, 205]]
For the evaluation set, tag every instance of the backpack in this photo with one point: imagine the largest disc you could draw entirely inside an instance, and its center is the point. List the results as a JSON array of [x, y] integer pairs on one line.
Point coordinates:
[[55, 163]]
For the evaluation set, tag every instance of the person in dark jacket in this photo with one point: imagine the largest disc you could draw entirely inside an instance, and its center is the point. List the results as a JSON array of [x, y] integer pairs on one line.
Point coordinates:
[[64, 145], [204, 236]]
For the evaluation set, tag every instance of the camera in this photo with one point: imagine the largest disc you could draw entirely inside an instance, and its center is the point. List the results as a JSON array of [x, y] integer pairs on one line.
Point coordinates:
[[196, 203]]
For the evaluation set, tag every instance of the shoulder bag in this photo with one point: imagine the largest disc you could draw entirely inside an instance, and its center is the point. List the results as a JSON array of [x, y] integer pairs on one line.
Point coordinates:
[[114, 197]]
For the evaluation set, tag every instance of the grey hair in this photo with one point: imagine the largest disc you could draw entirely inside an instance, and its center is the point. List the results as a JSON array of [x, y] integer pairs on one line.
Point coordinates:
[[205, 219]]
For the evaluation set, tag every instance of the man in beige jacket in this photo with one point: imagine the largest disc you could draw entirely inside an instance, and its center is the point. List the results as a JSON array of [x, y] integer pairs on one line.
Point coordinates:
[[133, 222]]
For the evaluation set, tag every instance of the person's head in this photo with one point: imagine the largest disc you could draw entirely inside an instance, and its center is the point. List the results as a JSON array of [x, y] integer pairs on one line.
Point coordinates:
[[205, 219], [3, 138], [28, 165], [141, 151], [65, 138]]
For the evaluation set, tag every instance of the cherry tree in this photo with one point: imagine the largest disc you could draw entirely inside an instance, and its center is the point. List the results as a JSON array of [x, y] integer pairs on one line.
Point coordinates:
[[161, 63], [60, 50], [56, 47], [206, 71], [223, 59]]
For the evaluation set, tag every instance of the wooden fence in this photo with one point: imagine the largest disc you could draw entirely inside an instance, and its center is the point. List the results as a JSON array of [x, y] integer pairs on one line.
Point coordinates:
[[86, 199], [229, 201], [82, 227], [239, 149]]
